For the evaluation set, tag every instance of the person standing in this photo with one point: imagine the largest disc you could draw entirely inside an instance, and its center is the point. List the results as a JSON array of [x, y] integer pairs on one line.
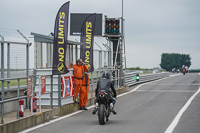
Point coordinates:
[[79, 68]]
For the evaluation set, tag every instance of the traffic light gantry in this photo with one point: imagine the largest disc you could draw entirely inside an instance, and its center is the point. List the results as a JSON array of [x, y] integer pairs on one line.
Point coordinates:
[[112, 26]]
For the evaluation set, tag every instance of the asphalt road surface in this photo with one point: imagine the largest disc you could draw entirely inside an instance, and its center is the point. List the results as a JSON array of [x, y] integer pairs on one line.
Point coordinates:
[[168, 105]]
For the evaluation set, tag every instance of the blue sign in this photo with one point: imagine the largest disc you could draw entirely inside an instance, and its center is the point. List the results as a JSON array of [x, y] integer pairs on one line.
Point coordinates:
[[67, 86]]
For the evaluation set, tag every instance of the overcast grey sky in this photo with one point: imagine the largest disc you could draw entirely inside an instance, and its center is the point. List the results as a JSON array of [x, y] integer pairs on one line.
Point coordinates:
[[152, 27]]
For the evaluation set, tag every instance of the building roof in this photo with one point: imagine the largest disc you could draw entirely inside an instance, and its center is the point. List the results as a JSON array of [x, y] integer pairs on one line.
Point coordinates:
[[49, 39]]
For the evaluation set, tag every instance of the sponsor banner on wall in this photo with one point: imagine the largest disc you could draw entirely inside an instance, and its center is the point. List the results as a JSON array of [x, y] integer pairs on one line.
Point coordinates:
[[43, 85], [60, 40], [87, 37], [30, 87], [67, 86]]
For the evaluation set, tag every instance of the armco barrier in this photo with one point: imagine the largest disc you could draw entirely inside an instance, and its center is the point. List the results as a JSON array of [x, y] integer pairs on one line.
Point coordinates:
[[130, 81]]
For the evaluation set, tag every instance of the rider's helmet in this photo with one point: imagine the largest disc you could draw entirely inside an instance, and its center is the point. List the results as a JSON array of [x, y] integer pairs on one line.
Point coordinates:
[[106, 75]]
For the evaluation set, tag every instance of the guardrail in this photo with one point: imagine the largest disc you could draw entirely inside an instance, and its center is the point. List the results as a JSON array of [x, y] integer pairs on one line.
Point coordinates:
[[130, 81], [19, 96], [3, 100]]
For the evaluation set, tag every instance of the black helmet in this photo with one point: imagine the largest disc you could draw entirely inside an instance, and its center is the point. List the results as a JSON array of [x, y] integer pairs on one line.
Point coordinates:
[[106, 75]]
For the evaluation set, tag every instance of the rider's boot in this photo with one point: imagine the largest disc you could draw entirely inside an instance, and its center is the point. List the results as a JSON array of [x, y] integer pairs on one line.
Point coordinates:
[[112, 109], [114, 112], [95, 109]]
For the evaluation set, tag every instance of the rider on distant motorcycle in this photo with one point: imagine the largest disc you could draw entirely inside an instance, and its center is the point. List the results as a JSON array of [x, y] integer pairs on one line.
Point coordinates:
[[183, 68], [105, 84]]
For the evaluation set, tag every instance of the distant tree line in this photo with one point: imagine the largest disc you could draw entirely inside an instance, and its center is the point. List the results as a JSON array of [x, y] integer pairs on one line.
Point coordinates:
[[195, 70], [174, 60], [138, 68]]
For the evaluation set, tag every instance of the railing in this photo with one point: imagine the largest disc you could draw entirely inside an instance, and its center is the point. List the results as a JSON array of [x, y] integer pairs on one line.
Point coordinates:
[[49, 91], [3, 100], [130, 81], [19, 87]]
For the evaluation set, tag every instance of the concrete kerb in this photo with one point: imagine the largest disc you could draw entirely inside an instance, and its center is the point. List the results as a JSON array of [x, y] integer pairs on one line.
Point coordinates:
[[45, 116]]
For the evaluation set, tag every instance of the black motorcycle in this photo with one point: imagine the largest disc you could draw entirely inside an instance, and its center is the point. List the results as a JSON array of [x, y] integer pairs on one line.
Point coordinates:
[[103, 107], [184, 71]]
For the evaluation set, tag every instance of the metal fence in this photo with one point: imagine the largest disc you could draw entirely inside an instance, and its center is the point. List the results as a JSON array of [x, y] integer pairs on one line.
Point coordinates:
[[5, 100], [16, 55], [130, 80]]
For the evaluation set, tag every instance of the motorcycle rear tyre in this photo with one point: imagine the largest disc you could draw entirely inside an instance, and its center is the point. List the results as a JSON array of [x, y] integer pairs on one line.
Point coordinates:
[[102, 114]]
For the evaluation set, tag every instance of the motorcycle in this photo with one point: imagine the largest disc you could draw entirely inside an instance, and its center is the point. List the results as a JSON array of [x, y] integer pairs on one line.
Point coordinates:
[[184, 71], [103, 107]]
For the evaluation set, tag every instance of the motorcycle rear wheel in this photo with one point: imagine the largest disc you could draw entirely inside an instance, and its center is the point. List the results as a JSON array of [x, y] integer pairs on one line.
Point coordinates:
[[101, 114]]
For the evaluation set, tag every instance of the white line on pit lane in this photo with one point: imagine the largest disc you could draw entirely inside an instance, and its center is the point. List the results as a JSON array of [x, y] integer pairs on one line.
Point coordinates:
[[175, 75], [174, 123], [180, 91], [139, 87]]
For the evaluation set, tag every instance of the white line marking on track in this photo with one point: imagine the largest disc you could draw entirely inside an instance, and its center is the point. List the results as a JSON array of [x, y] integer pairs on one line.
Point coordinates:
[[174, 123], [92, 106], [52, 121], [139, 87], [175, 75], [174, 84], [187, 91]]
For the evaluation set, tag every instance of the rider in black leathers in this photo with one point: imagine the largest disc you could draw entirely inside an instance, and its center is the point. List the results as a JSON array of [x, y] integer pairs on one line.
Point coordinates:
[[105, 84]]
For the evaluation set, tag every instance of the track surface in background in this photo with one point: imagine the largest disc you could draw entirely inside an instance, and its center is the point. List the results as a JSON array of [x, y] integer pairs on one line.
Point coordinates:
[[149, 109]]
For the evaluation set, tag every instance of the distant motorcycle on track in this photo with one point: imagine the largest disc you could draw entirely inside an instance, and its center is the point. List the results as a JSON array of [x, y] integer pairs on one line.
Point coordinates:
[[184, 71]]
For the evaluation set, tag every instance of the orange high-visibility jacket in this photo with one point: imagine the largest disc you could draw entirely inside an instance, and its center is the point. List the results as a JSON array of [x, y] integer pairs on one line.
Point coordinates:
[[86, 79], [85, 68], [78, 73]]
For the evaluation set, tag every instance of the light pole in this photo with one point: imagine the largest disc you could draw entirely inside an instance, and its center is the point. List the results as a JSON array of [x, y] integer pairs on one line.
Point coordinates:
[[123, 39], [122, 16]]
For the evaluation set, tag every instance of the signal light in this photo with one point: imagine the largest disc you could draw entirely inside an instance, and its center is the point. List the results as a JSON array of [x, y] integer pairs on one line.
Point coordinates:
[[117, 31], [117, 26], [112, 21], [107, 31], [106, 26], [112, 26], [117, 21]]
